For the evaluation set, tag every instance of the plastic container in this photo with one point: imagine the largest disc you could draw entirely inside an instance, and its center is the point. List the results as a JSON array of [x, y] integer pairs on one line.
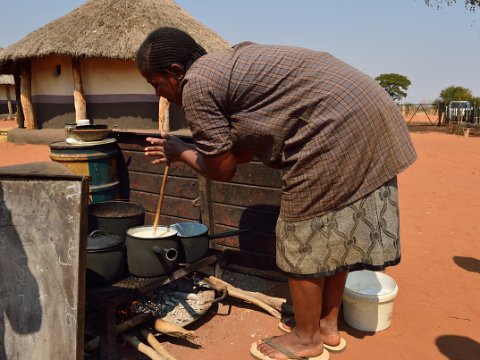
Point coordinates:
[[368, 300]]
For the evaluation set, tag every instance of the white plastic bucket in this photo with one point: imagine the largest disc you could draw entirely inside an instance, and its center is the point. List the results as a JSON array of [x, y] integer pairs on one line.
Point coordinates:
[[368, 300]]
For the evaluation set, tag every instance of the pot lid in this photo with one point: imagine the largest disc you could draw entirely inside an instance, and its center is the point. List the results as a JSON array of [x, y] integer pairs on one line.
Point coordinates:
[[189, 229], [101, 241]]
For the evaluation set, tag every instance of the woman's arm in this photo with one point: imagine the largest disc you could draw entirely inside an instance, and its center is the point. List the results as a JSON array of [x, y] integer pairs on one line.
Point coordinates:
[[219, 167]]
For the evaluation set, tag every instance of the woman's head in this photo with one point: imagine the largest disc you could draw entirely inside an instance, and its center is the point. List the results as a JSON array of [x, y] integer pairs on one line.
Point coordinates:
[[164, 47]]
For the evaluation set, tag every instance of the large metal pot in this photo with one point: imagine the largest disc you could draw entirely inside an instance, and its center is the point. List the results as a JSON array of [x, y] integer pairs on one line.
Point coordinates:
[[106, 259], [195, 240], [115, 217], [149, 254]]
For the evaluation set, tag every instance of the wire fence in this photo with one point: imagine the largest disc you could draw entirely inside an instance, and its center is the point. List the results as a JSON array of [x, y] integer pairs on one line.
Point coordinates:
[[441, 114]]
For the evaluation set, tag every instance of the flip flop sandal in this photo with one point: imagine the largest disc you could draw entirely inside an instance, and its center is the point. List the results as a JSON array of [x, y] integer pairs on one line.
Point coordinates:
[[332, 348], [257, 354]]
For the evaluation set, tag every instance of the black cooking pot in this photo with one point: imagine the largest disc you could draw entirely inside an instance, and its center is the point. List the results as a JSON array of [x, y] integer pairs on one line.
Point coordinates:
[[106, 259], [115, 217], [195, 240], [149, 254]]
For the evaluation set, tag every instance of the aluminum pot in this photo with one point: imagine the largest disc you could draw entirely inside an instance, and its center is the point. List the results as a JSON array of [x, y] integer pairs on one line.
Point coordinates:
[[106, 259], [115, 217], [195, 240], [149, 254]]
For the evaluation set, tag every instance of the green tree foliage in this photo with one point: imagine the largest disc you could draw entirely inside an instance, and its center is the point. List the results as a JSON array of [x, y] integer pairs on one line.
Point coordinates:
[[396, 85], [469, 4], [456, 93]]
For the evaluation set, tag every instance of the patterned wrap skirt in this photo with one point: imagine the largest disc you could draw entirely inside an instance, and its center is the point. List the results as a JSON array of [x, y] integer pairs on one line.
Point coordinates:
[[362, 235]]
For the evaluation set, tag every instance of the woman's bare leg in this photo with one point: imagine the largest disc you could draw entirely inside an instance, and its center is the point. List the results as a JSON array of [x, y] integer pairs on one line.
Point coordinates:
[[332, 300], [305, 339]]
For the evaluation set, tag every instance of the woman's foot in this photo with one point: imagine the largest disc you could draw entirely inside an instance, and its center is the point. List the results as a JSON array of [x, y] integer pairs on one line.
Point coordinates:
[[295, 344], [330, 335]]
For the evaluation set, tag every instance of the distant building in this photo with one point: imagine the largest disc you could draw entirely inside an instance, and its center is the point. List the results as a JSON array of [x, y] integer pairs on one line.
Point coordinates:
[[7, 96], [82, 64]]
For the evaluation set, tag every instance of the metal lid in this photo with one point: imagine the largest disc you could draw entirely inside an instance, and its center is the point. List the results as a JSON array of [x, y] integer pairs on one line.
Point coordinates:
[[101, 241]]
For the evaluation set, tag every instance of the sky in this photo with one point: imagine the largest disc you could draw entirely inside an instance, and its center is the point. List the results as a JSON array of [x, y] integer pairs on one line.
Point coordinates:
[[433, 48]]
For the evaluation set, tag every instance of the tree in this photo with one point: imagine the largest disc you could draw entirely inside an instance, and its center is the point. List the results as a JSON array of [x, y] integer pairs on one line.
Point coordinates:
[[396, 85], [456, 93], [469, 4]]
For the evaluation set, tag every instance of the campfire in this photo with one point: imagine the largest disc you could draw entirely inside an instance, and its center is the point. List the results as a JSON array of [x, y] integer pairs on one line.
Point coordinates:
[[168, 309]]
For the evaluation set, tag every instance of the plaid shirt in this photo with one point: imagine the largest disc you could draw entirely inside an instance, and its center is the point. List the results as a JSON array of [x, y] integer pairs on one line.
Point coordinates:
[[333, 131]]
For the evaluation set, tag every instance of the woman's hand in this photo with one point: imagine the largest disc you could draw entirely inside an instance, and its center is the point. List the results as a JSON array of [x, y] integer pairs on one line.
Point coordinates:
[[167, 148]]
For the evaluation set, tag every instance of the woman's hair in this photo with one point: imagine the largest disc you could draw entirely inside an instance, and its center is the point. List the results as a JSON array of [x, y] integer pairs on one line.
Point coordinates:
[[166, 46]]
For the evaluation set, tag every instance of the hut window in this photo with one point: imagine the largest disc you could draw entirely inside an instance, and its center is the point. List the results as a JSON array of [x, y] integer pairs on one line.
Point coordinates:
[[58, 69]]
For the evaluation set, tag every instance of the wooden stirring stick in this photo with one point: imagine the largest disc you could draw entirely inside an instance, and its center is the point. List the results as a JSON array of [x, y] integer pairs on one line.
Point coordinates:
[[163, 108], [160, 200]]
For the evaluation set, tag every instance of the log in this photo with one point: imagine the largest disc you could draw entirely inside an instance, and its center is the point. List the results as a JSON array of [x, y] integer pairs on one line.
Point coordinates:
[[93, 344], [144, 349], [9, 102], [170, 329], [26, 96], [273, 305], [155, 344], [163, 114], [78, 94]]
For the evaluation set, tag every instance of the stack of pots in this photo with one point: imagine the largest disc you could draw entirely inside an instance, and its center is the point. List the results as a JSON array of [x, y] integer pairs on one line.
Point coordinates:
[[108, 223]]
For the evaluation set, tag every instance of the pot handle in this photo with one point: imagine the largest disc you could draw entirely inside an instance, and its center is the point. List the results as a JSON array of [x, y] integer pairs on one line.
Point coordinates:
[[96, 233], [168, 254], [228, 233]]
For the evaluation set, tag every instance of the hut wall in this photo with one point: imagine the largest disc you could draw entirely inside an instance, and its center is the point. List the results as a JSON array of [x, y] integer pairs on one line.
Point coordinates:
[[250, 201], [115, 92]]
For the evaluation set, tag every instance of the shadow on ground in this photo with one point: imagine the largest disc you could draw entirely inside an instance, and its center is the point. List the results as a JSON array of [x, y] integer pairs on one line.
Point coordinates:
[[467, 263], [458, 347]]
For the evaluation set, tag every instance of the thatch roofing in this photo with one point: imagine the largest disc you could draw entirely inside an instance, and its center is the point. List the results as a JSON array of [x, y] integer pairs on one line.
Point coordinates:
[[6, 80], [109, 29]]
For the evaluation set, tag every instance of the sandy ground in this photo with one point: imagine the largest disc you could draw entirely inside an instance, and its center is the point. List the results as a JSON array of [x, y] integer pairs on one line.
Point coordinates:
[[436, 313]]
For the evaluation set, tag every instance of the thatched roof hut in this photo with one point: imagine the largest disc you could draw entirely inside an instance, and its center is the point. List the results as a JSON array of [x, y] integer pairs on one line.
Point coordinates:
[[97, 43], [111, 29]]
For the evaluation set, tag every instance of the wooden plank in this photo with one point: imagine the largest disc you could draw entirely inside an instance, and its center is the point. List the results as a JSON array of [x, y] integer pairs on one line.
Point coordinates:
[[248, 258], [175, 186], [137, 161], [250, 241], [166, 220], [258, 218], [172, 206], [244, 195], [43, 256]]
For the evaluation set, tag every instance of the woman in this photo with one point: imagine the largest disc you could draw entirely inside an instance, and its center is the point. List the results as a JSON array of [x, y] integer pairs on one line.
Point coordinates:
[[338, 139]]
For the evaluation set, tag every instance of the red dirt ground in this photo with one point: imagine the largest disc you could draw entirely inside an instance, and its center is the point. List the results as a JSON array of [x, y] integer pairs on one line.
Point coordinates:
[[437, 311]]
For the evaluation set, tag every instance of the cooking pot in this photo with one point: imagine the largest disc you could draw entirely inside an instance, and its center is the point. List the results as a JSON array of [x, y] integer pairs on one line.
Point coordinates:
[[106, 259], [149, 254], [195, 240], [115, 217]]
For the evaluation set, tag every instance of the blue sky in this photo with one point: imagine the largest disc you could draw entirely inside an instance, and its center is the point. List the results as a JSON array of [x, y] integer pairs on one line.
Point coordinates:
[[433, 48]]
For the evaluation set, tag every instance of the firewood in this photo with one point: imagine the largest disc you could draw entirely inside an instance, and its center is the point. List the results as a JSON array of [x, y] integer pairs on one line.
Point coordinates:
[[144, 349], [154, 343], [93, 344], [170, 329], [273, 305]]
